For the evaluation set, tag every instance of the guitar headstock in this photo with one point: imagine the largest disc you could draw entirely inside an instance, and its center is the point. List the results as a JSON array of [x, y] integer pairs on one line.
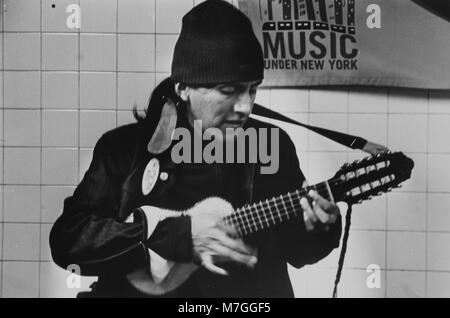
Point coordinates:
[[370, 176]]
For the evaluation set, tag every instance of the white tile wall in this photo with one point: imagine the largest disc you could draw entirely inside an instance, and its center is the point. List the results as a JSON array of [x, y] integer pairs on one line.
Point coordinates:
[[92, 10], [438, 133], [22, 127], [52, 200], [323, 165], [405, 284], [21, 165], [21, 89], [93, 124], [60, 51], [98, 90], [438, 285], [20, 279], [164, 44], [438, 216], [368, 100], [20, 242], [407, 132], [136, 52], [355, 285], [439, 101], [136, 16], [85, 160], [438, 258], [53, 282], [405, 101], [177, 9], [59, 128], [365, 248], [55, 19], [370, 215], [362, 125], [328, 101], [66, 160], [407, 211], [420, 174], [290, 100], [62, 88], [438, 173], [134, 89], [406, 250], [298, 135], [98, 52], [331, 121], [45, 254], [22, 51], [125, 118], [17, 19], [22, 204]]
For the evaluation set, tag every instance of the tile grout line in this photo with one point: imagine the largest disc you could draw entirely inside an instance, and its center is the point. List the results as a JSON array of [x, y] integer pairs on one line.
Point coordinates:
[[79, 97], [427, 193], [117, 63], [41, 152], [154, 41], [3, 149], [386, 203]]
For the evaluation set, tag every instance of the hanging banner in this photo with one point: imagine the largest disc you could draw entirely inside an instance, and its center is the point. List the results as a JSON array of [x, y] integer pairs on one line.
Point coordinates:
[[397, 43]]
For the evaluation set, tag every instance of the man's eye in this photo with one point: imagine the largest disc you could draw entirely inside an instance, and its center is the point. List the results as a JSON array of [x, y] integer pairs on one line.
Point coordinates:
[[228, 90]]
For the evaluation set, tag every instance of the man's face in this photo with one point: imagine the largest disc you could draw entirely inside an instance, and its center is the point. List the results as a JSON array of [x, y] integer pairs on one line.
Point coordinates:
[[221, 106]]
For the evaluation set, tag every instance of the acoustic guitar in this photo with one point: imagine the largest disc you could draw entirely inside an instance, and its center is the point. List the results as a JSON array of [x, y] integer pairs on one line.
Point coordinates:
[[352, 184]]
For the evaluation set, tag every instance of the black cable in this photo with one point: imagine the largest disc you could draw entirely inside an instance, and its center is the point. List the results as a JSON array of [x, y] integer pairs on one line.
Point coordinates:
[[348, 222]]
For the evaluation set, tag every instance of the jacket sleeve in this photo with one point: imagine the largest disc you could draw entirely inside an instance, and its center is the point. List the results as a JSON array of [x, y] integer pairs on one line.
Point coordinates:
[[301, 247], [89, 232]]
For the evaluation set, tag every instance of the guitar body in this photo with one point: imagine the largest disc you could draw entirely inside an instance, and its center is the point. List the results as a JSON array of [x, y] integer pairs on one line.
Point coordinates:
[[142, 280]]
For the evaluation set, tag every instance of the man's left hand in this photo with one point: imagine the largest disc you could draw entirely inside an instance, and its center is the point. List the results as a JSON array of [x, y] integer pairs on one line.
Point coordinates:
[[320, 214]]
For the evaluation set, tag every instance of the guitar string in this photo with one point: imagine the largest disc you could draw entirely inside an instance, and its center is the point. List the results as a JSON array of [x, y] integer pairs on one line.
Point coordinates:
[[247, 227], [236, 219], [238, 216]]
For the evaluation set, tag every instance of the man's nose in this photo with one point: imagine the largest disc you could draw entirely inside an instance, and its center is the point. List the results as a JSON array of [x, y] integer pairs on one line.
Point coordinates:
[[244, 104]]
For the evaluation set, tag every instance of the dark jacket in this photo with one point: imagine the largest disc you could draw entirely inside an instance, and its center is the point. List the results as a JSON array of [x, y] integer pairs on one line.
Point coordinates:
[[92, 233]]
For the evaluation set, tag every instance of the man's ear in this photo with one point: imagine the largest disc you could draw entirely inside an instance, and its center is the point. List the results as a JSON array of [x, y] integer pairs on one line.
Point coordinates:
[[183, 91]]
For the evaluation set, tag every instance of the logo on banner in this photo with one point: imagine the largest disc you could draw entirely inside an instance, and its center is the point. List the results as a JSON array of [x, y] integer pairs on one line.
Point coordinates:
[[309, 34]]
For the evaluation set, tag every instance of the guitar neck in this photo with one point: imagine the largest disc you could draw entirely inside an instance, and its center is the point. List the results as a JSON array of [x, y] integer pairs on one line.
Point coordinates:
[[262, 215]]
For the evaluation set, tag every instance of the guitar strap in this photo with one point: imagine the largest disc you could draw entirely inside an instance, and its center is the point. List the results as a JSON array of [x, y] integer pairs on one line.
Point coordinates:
[[349, 141]]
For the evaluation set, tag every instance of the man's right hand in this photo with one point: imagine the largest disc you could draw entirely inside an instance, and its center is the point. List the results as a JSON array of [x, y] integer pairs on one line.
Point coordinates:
[[213, 240]]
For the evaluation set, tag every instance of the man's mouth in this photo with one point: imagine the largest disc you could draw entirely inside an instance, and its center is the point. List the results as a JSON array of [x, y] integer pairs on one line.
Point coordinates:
[[236, 123]]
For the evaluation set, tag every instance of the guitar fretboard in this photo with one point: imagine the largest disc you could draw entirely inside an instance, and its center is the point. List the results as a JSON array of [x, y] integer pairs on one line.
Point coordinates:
[[264, 214]]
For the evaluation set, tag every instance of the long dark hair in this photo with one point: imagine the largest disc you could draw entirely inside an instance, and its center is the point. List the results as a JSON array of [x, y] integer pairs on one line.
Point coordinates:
[[165, 90]]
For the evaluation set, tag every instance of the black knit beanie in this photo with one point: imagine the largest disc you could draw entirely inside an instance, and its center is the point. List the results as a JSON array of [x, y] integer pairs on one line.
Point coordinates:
[[216, 45]]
